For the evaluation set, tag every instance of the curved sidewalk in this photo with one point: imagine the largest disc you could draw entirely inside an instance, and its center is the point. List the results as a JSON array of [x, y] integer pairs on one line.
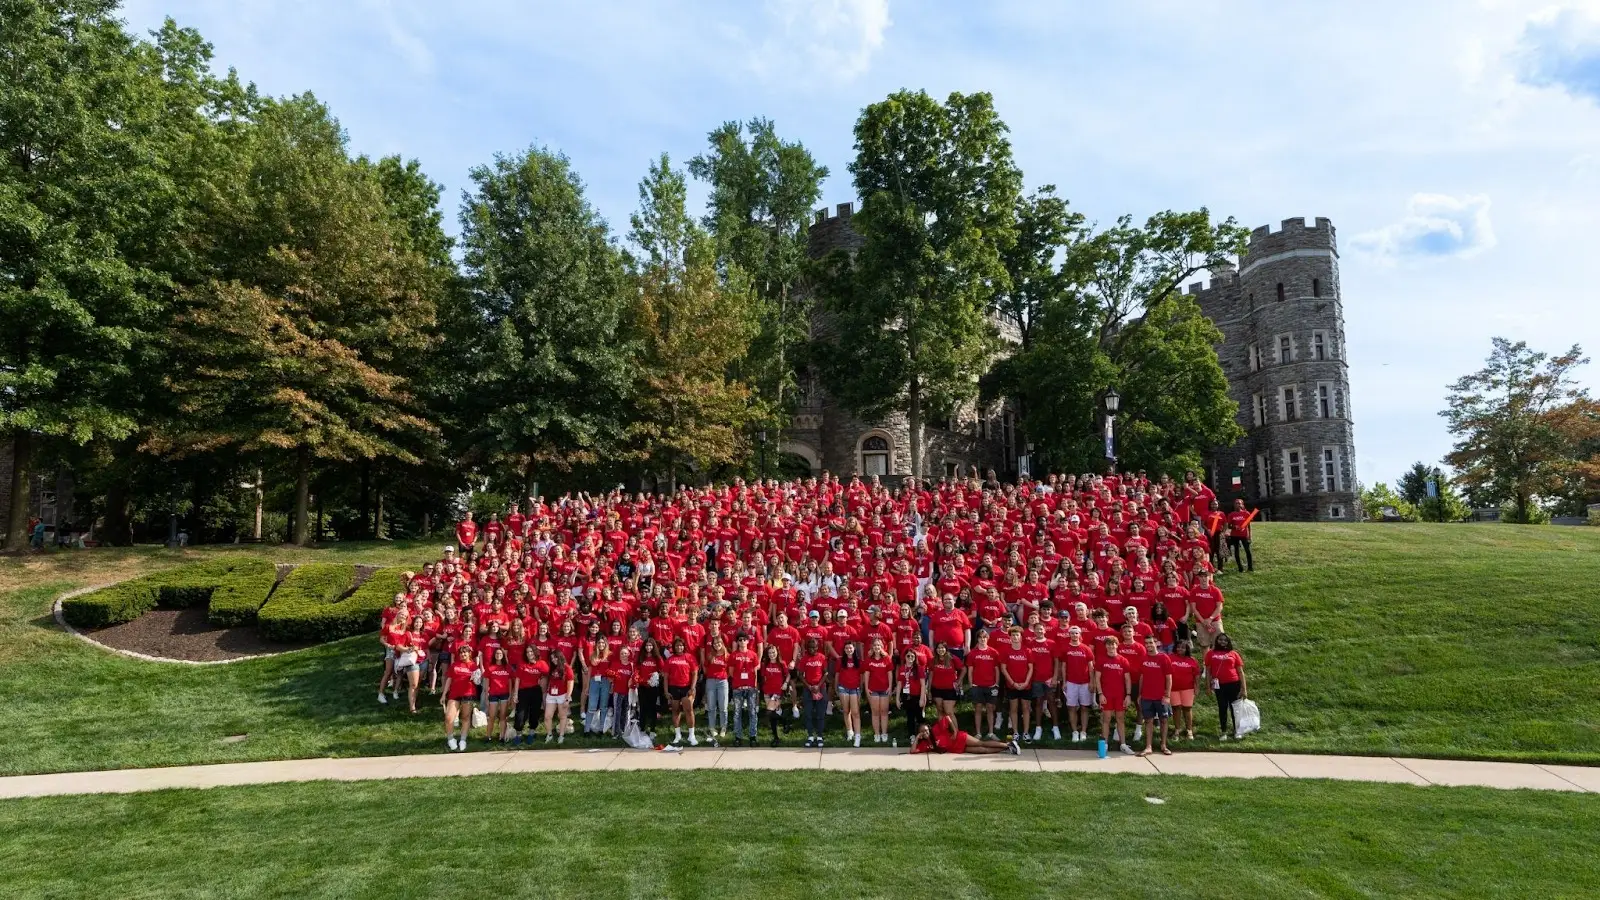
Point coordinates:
[[1453, 773]]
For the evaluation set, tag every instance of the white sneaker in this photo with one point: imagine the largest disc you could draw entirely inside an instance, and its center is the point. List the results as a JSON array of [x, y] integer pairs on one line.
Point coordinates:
[[797, 712], [548, 737], [1055, 732], [692, 741], [461, 746], [858, 739], [1038, 732], [561, 739], [450, 742], [1138, 733], [1222, 737], [382, 698], [677, 735], [1126, 749]]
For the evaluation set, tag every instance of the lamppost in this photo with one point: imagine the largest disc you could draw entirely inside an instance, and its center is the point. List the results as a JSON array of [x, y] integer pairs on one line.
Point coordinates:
[[257, 488], [1112, 401]]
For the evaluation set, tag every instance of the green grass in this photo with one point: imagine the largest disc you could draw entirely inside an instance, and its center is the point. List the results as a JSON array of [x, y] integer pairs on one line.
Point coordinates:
[[805, 835], [1456, 641]]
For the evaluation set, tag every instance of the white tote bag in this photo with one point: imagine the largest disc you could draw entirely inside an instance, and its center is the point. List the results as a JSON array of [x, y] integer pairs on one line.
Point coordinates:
[[480, 719], [1246, 717]]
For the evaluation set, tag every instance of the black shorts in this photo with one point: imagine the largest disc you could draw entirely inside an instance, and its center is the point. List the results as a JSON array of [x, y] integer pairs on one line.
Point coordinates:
[[950, 694], [1019, 693], [499, 698], [677, 693]]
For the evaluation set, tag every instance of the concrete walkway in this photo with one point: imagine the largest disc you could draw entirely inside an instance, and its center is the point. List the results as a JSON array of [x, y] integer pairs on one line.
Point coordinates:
[[1453, 773]]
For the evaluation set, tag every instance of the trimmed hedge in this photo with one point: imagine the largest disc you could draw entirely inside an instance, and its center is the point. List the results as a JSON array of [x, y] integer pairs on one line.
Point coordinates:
[[310, 604], [240, 582]]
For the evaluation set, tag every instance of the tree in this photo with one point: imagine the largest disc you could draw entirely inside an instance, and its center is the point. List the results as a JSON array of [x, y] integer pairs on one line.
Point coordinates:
[[86, 193], [762, 190], [1379, 500], [295, 343], [690, 331], [548, 287], [1519, 423], [1413, 485], [910, 308], [1036, 278]]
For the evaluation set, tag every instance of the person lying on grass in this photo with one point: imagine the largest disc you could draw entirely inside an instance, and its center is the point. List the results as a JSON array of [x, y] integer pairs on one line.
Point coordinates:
[[946, 737]]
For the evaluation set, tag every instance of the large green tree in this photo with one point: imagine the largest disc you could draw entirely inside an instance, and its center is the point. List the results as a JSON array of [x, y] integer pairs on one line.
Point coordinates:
[[295, 345], [1520, 424], [762, 191], [690, 330], [549, 290], [910, 308]]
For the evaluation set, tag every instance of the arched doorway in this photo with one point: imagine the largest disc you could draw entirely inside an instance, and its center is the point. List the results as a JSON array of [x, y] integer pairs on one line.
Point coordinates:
[[875, 454]]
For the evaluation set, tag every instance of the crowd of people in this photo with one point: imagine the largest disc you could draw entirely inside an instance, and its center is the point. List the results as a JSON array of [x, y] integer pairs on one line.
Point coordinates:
[[825, 604]]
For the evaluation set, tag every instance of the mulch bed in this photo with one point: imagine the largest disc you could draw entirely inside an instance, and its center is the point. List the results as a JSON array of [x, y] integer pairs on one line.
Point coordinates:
[[185, 634]]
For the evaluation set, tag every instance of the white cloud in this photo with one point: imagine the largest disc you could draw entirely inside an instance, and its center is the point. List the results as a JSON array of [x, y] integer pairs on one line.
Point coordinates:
[[1436, 226], [1561, 48], [835, 39], [410, 47]]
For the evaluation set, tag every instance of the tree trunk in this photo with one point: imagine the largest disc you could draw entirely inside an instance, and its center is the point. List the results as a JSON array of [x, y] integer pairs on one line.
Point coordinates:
[[118, 529], [302, 496], [914, 419], [528, 482], [17, 519], [366, 499], [377, 517]]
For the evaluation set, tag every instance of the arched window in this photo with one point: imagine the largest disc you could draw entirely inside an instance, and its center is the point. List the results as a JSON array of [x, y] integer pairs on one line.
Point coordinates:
[[875, 456]]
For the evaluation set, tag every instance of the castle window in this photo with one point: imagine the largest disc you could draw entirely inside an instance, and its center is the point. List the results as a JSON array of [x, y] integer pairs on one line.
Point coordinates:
[[1285, 349], [875, 456], [1335, 512], [952, 469], [1290, 413], [1258, 412], [1280, 292], [1325, 400], [1316, 287], [1263, 476], [1319, 345], [1338, 404], [1330, 468], [1255, 357], [1292, 467]]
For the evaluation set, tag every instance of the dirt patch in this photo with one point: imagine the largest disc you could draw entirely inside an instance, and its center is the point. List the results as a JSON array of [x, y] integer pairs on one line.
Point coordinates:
[[185, 634]]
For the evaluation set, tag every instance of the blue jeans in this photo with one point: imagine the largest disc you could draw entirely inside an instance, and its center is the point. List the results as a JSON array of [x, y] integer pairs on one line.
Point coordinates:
[[599, 699], [813, 712], [717, 704], [619, 712], [746, 700]]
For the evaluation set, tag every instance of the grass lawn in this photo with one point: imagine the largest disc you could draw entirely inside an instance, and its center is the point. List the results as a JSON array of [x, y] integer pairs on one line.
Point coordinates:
[[805, 834], [1475, 641]]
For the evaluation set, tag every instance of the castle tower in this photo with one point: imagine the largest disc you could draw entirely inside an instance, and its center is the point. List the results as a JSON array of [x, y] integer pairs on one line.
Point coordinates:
[[1282, 318]]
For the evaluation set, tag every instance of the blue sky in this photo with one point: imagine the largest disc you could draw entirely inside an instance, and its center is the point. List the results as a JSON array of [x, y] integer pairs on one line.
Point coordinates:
[[1454, 143]]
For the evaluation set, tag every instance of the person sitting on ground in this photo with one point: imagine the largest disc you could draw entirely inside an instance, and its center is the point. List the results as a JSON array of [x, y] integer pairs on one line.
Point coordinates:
[[946, 737]]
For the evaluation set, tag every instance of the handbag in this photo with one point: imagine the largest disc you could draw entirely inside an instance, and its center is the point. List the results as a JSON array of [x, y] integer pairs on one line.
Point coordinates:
[[408, 658], [1246, 717]]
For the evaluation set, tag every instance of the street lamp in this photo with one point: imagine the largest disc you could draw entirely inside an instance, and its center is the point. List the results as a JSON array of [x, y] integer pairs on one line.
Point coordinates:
[[257, 488], [1113, 401]]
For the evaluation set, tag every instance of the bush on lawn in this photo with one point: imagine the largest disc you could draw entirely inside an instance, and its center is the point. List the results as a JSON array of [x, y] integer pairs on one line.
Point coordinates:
[[240, 583], [310, 605]]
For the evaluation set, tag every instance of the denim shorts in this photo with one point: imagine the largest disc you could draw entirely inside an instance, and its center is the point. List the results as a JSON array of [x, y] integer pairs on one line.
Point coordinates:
[[849, 692], [1154, 709]]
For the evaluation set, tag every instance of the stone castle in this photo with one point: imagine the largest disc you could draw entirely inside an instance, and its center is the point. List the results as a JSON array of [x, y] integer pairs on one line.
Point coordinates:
[[1283, 352]]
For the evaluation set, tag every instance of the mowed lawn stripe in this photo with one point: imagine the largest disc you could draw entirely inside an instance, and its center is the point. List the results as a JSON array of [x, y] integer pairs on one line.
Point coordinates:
[[806, 834]]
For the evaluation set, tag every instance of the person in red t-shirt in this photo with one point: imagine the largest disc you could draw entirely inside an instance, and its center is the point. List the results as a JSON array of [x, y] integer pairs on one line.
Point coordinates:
[[847, 680], [1112, 684], [775, 676], [944, 680], [1206, 601], [983, 682], [460, 692], [1185, 673], [1225, 668], [1075, 660], [467, 533], [527, 697], [813, 673], [558, 687], [1155, 695], [1239, 536], [1016, 669], [681, 674], [946, 737], [742, 666], [879, 666], [497, 674]]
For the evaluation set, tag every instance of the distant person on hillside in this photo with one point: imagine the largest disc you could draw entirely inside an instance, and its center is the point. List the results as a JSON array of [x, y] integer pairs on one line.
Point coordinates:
[[1239, 536], [467, 533], [1225, 669]]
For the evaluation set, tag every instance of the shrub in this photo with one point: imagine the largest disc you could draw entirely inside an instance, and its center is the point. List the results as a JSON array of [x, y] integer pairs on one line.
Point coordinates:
[[241, 583], [307, 605]]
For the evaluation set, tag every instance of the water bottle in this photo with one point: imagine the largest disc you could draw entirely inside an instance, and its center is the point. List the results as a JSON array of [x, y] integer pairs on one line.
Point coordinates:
[[895, 743], [1102, 748]]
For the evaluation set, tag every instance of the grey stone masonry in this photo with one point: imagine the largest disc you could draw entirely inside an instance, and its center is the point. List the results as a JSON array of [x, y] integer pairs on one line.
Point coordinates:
[[832, 438], [1283, 351]]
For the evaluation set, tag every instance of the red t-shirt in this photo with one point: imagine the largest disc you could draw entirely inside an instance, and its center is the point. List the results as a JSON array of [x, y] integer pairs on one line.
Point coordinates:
[[948, 738], [813, 668], [983, 666], [531, 674], [773, 675], [680, 671], [742, 666], [948, 627], [461, 686], [467, 533], [1112, 669], [1043, 657], [499, 679], [1078, 661], [878, 673], [1207, 602], [945, 676], [849, 678], [1224, 667], [1153, 672], [785, 639], [1016, 661], [716, 667], [1185, 671]]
